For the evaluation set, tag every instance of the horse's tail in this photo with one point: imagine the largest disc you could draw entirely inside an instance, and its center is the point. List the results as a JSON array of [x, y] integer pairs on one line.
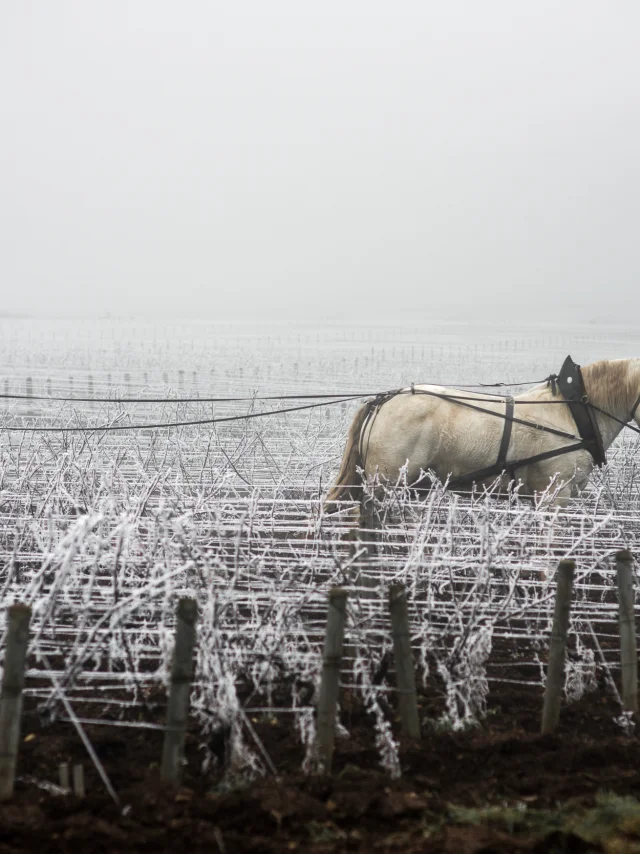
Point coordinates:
[[349, 484]]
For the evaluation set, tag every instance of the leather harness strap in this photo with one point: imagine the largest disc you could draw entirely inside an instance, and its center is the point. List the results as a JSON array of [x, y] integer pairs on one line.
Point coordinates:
[[373, 408], [492, 471], [506, 433]]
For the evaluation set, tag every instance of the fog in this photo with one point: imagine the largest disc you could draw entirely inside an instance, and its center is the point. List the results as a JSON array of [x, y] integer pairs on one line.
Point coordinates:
[[356, 160]]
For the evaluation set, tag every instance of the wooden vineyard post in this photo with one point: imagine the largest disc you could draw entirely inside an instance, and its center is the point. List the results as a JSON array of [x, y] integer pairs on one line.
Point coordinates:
[[78, 781], [628, 653], [329, 685], [180, 688], [557, 647], [11, 697], [63, 776], [405, 676]]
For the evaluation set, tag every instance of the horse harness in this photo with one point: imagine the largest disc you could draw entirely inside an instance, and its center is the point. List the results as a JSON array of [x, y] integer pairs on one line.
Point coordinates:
[[569, 382]]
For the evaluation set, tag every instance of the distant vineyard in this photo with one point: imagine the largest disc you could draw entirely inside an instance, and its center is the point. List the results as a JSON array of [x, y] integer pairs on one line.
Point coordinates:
[[102, 532]]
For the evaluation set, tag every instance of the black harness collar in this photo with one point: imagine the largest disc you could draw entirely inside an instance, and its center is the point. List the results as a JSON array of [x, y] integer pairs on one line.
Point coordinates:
[[570, 383]]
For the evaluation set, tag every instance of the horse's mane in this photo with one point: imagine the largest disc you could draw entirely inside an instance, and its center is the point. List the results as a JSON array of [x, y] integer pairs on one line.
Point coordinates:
[[612, 382]]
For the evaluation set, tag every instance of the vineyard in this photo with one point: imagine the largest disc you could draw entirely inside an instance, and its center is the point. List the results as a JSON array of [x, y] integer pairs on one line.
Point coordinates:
[[107, 524]]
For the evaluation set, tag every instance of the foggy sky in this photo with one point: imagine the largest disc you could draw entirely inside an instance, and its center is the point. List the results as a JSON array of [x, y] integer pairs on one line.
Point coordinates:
[[352, 159]]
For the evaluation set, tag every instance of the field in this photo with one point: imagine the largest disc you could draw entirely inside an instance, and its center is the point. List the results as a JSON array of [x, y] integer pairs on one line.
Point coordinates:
[[102, 531]]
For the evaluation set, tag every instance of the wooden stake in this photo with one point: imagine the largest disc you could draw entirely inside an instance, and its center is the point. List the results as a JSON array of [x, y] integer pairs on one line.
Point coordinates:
[[11, 697], [63, 776], [628, 653], [329, 686], [557, 648], [180, 688], [405, 676], [78, 781]]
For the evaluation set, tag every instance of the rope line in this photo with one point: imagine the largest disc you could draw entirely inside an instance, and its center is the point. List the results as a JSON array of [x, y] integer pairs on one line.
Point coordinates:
[[351, 395], [324, 400], [201, 421], [112, 427], [182, 399]]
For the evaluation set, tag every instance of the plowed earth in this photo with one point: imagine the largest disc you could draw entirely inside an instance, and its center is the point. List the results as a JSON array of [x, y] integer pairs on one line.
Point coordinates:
[[358, 808]]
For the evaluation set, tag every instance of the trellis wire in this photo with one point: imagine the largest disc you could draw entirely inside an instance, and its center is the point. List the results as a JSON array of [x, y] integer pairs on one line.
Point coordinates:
[[234, 518]]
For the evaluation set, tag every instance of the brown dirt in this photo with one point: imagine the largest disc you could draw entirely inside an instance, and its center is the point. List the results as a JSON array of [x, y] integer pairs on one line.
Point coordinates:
[[358, 808]]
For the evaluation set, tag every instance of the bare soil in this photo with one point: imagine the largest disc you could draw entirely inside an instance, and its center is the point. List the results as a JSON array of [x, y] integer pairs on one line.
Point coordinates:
[[358, 808]]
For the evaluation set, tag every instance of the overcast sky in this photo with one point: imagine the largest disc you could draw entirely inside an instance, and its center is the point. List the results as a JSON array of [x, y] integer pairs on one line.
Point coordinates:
[[335, 159]]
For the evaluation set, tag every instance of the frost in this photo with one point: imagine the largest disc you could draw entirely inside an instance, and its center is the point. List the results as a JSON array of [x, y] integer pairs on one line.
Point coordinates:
[[102, 533]]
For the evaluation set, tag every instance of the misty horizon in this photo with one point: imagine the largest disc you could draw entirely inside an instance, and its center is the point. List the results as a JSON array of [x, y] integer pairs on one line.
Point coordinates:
[[422, 162]]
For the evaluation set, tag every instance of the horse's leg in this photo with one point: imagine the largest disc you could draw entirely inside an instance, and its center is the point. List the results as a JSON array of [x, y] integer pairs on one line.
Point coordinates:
[[368, 525], [367, 543]]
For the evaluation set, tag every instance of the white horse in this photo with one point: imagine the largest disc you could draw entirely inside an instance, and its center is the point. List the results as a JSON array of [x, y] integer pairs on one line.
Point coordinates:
[[454, 434]]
